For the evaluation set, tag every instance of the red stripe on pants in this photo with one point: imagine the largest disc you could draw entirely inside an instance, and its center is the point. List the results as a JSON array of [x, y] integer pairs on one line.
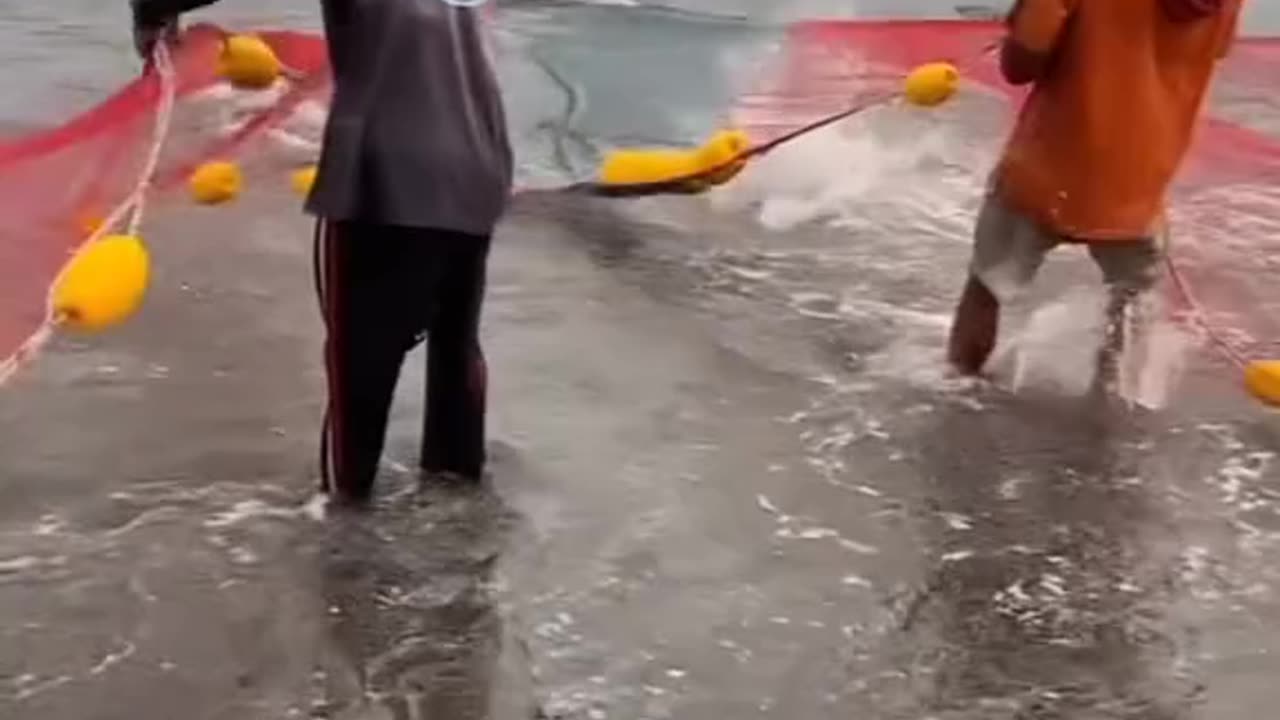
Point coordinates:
[[330, 266]]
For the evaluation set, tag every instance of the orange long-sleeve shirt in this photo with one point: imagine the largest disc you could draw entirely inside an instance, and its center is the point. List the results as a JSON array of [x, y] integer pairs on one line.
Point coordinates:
[[1103, 132]]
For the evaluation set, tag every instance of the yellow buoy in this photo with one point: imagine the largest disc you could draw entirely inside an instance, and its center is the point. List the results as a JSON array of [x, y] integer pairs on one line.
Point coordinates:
[[647, 165], [644, 166], [931, 84], [103, 284], [303, 180], [1262, 377], [215, 182], [247, 61]]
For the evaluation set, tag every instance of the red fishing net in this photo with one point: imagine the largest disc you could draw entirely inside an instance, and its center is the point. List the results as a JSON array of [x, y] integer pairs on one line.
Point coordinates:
[[57, 185], [54, 184]]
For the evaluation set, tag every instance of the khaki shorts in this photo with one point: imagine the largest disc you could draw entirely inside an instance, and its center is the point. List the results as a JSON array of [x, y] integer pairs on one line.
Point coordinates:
[[1009, 249]]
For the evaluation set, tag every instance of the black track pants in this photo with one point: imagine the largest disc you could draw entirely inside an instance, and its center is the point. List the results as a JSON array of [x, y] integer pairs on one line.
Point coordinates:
[[382, 290]]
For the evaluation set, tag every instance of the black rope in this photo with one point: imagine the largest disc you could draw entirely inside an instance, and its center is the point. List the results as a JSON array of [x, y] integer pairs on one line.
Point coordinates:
[[702, 180]]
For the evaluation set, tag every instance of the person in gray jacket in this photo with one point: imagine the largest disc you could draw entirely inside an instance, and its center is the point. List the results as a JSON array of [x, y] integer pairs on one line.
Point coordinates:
[[415, 172]]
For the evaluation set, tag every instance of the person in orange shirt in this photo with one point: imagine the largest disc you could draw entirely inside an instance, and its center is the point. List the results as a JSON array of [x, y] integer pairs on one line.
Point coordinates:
[[1117, 86]]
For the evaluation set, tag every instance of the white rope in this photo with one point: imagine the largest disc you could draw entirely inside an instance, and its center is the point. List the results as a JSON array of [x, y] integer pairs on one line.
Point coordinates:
[[26, 352], [164, 117], [132, 206]]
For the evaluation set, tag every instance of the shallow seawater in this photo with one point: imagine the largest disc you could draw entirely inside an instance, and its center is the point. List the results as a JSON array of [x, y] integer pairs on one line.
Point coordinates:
[[731, 475]]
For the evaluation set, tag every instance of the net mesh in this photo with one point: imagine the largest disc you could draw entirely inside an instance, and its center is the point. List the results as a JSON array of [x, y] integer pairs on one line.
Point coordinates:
[[56, 183]]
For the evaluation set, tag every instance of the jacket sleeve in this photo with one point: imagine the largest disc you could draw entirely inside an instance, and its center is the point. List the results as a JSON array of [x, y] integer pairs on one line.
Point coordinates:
[[151, 13]]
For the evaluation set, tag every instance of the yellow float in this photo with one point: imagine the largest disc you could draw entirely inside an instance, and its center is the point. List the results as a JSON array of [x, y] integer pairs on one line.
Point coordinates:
[[928, 85], [303, 180], [248, 62], [643, 166], [103, 285], [931, 84], [214, 183], [1262, 377], [646, 166]]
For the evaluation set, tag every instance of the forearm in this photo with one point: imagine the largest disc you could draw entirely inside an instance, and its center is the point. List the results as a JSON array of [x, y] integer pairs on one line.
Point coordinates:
[[151, 13], [1034, 29]]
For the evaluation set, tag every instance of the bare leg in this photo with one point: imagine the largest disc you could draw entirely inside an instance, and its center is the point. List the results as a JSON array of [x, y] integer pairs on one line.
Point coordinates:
[[973, 332], [1113, 340], [1130, 270], [1007, 252]]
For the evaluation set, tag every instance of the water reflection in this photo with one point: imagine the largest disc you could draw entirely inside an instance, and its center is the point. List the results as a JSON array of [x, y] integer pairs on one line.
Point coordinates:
[[414, 627], [1050, 582]]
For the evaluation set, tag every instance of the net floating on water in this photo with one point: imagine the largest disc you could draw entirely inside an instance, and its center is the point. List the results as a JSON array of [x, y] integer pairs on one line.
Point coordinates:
[[58, 185], [1224, 205]]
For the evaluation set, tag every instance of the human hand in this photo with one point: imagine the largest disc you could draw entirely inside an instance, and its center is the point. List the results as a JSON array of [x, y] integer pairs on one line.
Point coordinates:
[[725, 173], [146, 37], [724, 156]]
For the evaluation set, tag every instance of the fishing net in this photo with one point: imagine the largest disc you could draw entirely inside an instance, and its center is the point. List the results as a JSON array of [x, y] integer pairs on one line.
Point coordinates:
[[1224, 210], [57, 185]]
